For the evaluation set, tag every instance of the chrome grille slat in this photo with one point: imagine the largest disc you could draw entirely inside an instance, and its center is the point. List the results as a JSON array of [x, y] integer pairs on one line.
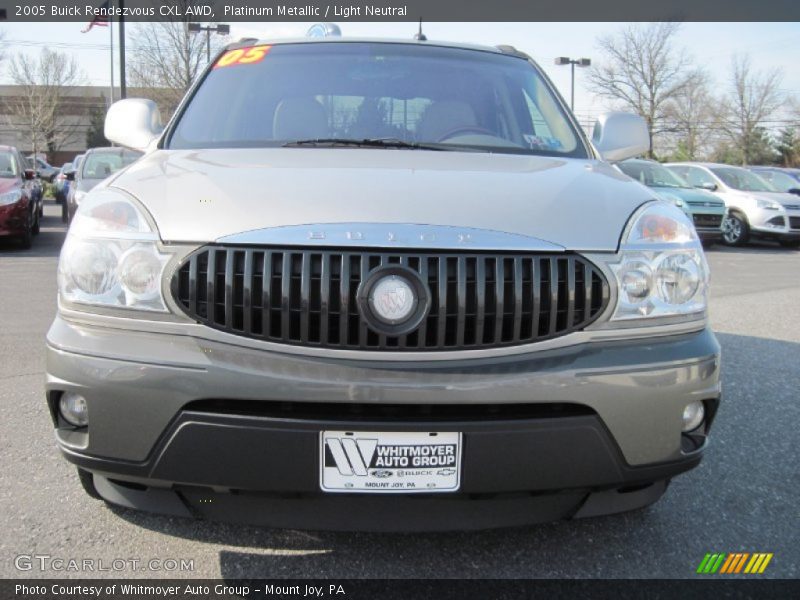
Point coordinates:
[[308, 296]]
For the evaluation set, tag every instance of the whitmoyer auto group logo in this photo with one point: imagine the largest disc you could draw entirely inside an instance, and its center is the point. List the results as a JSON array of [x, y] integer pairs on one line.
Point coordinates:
[[390, 461]]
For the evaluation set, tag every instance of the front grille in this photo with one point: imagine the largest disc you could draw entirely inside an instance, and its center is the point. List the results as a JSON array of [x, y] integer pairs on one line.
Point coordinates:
[[705, 204], [707, 220], [794, 222], [308, 296]]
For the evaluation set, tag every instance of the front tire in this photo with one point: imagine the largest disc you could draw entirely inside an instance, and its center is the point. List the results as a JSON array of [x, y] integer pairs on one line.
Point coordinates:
[[735, 230], [26, 239]]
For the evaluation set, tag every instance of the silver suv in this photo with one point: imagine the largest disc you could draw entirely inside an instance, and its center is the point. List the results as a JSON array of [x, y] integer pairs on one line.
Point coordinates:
[[755, 207], [379, 285]]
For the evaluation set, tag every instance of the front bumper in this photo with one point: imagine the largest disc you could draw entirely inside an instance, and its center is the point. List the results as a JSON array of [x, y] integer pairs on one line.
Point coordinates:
[[188, 426], [783, 225], [14, 218]]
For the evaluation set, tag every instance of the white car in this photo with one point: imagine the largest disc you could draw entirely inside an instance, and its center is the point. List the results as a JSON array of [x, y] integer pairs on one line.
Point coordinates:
[[755, 208]]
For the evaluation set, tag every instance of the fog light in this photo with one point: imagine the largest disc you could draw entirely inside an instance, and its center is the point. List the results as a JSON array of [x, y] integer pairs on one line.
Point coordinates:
[[73, 408], [693, 416]]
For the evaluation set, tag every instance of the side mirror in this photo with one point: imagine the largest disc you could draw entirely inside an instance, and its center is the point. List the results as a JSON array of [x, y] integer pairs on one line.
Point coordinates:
[[795, 191], [133, 123], [30, 174], [70, 175], [708, 186], [619, 135]]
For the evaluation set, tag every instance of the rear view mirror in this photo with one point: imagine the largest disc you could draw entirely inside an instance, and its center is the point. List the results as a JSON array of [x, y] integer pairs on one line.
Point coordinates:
[[619, 135], [70, 175]]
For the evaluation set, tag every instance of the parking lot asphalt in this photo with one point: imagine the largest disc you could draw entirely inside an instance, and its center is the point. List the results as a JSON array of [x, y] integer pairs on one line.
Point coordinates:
[[742, 498]]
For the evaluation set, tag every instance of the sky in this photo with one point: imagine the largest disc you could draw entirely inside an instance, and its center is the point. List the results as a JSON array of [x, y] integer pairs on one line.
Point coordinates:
[[769, 45]]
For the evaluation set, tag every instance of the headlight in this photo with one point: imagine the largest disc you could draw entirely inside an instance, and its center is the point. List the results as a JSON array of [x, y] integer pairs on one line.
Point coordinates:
[[768, 204], [111, 257], [662, 270], [11, 197]]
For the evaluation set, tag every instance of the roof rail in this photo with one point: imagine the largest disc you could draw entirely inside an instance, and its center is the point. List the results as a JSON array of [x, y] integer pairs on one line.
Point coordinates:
[[243, 42], [506, 49]]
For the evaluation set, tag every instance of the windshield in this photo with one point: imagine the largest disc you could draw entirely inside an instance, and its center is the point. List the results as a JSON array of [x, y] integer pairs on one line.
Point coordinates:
[[9, 169], [99, 165], [652, 174], [741, 179], [271, 96], [782, 182]]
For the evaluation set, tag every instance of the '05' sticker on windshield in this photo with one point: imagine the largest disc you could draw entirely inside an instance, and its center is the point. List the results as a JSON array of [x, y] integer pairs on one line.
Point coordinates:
[[242, 56]]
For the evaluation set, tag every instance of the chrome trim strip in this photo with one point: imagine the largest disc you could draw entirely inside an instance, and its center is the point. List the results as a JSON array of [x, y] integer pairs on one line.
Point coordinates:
[[391, 235], [201, 332]]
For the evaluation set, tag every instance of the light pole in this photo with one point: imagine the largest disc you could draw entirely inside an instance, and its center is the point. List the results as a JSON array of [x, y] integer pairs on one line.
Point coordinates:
[[581, 62], [220, 29]]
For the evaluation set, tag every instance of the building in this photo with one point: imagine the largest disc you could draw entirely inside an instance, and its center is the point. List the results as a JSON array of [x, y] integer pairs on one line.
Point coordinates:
[[73, 117], [73, 120]]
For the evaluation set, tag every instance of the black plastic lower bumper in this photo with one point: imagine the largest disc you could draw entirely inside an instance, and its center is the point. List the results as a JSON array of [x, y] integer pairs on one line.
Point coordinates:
[[265, 470]]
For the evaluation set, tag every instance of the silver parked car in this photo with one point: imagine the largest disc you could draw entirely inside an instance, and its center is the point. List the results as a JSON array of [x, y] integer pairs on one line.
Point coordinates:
[[391, 278], [91, 168], [706, 211], [755, 208]]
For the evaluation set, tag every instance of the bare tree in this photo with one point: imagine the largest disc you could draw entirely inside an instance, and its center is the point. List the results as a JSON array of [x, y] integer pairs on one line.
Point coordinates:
[[753, 98], [692, 117], [41, 102], [642, 71], [166, 59], [2, 46]]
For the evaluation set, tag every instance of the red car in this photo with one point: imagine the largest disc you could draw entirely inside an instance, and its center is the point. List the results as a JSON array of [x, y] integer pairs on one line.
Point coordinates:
[[19, 210]]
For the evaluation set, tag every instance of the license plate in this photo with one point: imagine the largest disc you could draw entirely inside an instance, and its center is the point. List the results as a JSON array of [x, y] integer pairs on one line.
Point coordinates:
[[390, 461]]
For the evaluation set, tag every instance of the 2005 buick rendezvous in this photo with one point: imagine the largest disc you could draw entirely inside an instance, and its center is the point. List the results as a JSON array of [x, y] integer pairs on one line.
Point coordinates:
[[380, 285]]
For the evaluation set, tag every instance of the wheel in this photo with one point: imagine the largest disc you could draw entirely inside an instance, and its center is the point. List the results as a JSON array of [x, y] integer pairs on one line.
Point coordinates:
[[87, 482], [735, 231], [26, 239], [789, 243]]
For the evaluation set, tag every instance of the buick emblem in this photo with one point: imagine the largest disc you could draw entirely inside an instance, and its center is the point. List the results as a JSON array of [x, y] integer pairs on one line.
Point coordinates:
[[392, 299]]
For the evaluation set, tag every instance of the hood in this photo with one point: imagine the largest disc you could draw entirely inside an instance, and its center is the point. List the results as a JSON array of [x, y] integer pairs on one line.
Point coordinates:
[[204, 195], [693, 196], [8, 184], [87, 185], [784, 198]]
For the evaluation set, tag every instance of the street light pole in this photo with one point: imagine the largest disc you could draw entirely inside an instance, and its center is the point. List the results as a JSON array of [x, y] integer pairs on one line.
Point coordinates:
[[581, 62], [220, 29]]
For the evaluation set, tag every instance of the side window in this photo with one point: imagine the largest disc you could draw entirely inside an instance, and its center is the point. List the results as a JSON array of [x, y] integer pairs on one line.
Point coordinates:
[[698, 177]]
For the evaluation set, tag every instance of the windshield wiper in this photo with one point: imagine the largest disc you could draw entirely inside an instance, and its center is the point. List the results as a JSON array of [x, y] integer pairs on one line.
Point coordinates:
[[369, 143]]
